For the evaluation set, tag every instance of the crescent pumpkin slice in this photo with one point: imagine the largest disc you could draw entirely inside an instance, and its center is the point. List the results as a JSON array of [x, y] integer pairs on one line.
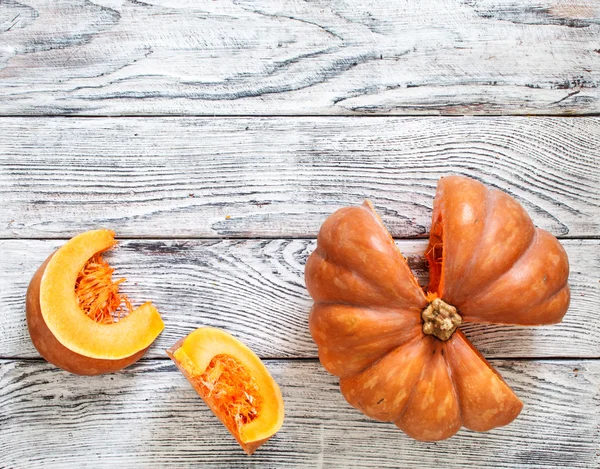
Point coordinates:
[[233, 382], [398, 350], [77, 320]]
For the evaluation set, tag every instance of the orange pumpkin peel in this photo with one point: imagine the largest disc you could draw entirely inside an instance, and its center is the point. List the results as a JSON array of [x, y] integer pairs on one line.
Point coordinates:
[[398, 350]]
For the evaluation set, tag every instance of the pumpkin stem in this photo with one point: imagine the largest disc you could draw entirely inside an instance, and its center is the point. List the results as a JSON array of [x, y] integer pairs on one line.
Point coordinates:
[[440, 319]]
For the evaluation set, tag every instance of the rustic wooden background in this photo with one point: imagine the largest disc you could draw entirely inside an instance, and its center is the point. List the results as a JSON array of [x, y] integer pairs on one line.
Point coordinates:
[[215, 137]]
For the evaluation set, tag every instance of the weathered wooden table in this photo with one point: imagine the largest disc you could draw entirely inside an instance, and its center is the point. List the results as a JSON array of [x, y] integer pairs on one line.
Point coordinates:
[[215, 137]]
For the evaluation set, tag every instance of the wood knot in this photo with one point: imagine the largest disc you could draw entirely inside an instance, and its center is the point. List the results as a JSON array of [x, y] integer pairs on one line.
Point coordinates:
[[440, 319]]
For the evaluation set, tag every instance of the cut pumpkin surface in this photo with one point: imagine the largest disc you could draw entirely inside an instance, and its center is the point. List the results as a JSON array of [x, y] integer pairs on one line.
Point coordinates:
[[76, 317], [395, 346], [233, 382]]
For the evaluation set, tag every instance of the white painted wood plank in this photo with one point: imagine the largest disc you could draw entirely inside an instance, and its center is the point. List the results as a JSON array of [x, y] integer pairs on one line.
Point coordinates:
[[109, 57], [255, 289], [149, 417], [281, 177]]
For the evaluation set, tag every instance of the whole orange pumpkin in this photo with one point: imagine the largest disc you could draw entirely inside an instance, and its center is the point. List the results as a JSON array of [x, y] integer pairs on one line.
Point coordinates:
[[398, 350]]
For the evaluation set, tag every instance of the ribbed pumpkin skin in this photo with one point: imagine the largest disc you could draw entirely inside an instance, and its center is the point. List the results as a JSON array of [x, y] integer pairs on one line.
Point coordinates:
[[495, 266]]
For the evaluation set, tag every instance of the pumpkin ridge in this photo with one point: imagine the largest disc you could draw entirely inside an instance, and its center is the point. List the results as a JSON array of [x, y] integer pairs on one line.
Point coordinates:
[[479, 355], [551, 296], [531, 305], [445, 352], [402, 329], [360, 404], [555, 294], [414, 387], [375, 286], [456, 357], [488, 212], [434, 381], [369, 205], [358, 275], [490, 284], [411, 338], [412, 391], [381, 309]]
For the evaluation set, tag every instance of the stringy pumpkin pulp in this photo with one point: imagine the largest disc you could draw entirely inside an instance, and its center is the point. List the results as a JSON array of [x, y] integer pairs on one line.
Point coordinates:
[[231, 391], [98, 295]]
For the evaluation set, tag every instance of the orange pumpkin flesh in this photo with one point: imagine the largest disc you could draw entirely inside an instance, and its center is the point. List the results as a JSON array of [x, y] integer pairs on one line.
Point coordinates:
[[70, 301], [488, 263], [233, 382]]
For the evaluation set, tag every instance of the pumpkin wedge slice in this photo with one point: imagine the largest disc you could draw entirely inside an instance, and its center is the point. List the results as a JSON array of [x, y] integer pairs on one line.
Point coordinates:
[[75, 315], [233, 382]]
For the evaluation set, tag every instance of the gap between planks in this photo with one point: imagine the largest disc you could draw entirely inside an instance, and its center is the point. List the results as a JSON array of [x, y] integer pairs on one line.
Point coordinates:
[[149, 416], [280, 178], [337, 57], [315, 359], [196, 283], [289, 116], [251, 238]]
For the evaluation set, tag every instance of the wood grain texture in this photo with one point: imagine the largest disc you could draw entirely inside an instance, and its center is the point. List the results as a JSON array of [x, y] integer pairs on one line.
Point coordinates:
[[149, 416], [255, 289], [201, 57], [180, 187], [281, 177]]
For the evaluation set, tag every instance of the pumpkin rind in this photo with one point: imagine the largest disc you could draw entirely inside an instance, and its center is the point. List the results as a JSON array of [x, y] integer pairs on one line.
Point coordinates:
[[65, 340], [486, 259], [382, 390], [357, 262], [192, 355], [481, 411], [497, 266], [352, 337], [432, 412]]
